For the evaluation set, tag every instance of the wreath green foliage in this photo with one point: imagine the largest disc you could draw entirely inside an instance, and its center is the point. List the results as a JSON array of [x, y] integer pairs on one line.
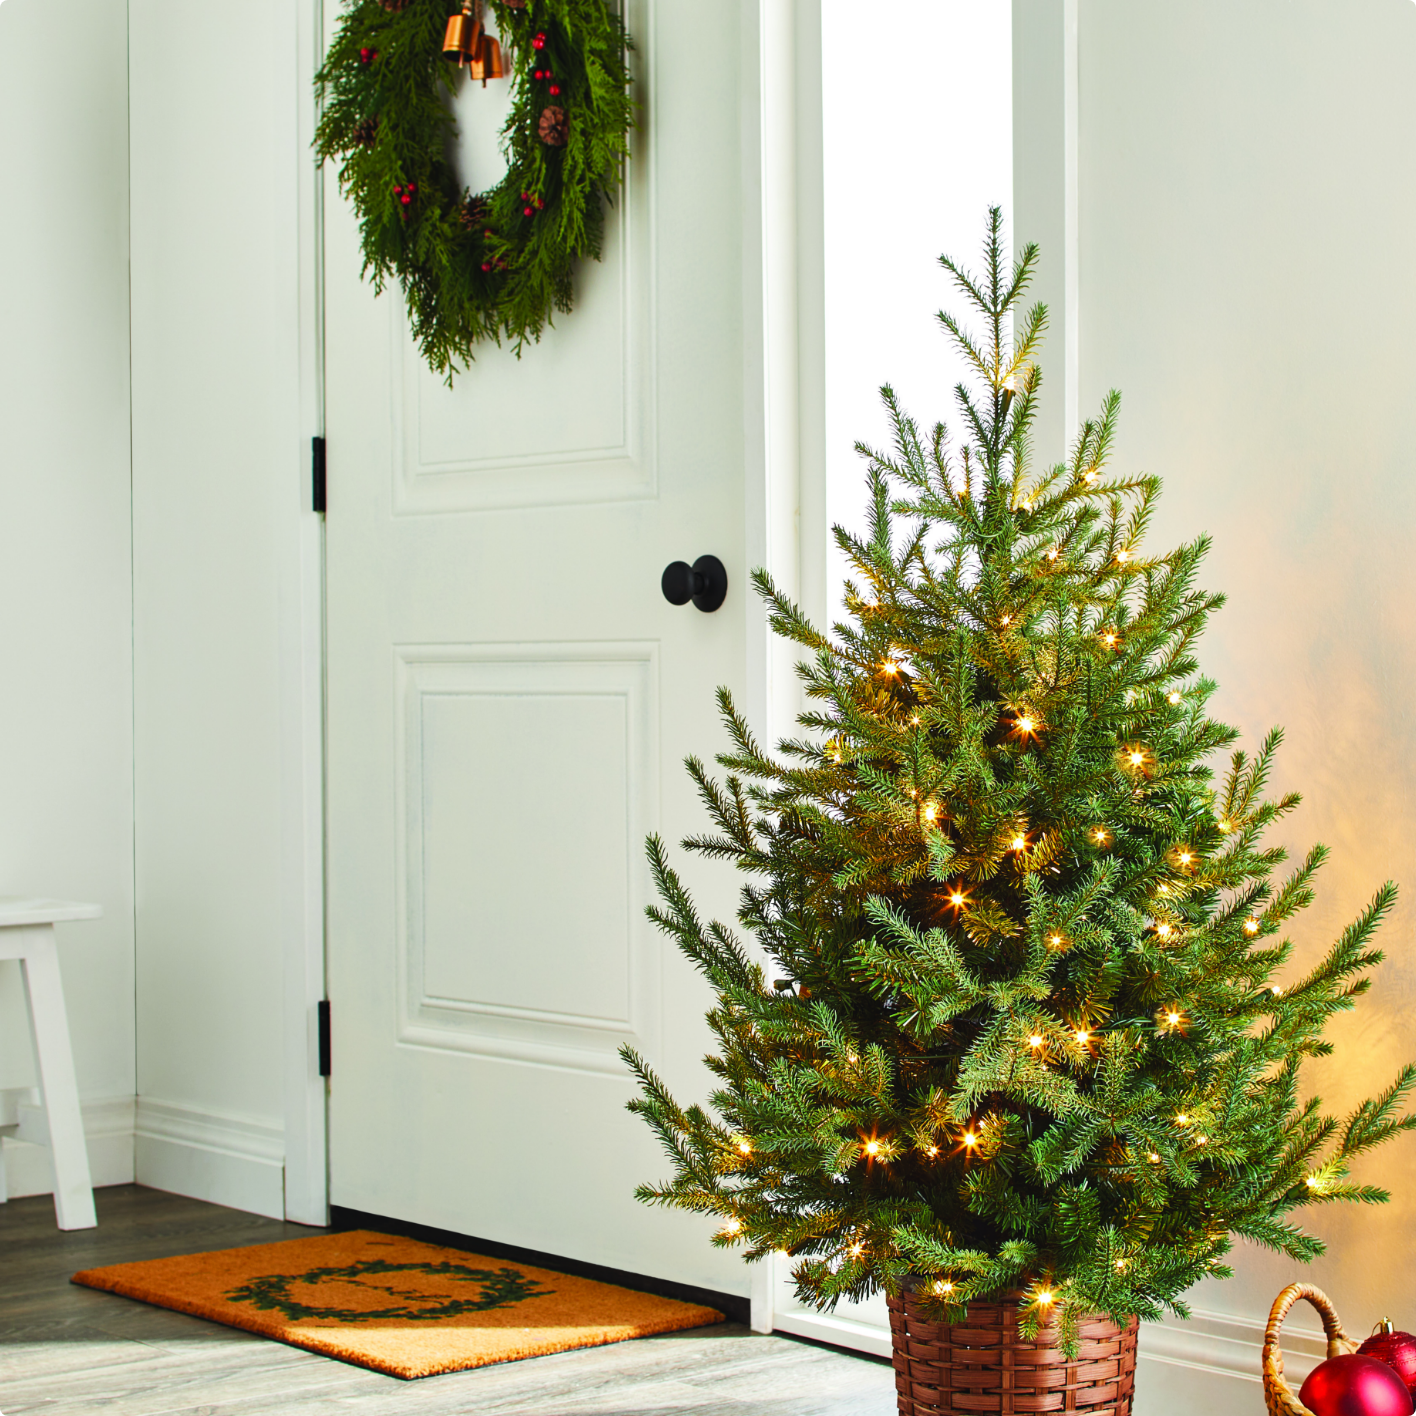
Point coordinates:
[[498, 263]]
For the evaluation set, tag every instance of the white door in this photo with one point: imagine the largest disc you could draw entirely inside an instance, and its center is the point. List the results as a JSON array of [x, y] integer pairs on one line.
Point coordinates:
[[510, 699]]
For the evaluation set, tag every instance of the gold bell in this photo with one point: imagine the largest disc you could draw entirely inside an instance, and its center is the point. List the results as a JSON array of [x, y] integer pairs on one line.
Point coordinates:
[[487, 64], [462, 38]]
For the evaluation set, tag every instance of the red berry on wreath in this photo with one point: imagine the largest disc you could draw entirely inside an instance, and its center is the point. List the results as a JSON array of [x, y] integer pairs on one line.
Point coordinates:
[[396, 189], [539, 42], [529, 211], [555, 88], [486, 265], [1396, 1349], [405, 199], [1355, 1386], [364, 55], [412, 186]]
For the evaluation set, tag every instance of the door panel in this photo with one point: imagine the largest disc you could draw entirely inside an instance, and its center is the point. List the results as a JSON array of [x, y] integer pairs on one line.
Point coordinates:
[[510, 699]]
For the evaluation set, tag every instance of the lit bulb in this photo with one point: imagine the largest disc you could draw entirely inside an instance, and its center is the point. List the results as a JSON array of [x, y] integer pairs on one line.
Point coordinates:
[[1185, 857], [1226, 827], [1099, 835], [1056, 941], [931, 810], [970, 1139], [1109, 638], [1172, 697], [1083, 1037], [1311, 1182], [1173, 1019], [1035, 1040], [932, 1151], [1045, 1297], [745, 1147], [1182, 1120], [1020, 843], [733, 1226], [856, 1251], [915, 719], [1123, 556], [1026, 725], [1053, 554], [1089, 478], [872, 1148], [956, 899], [1276, 991], [1251, 926], [1007, 619], [944, 1287], [1163, 931], [1137, 758], [1202, 1140], [1120, 1265], [1154, 1156], [889, 667]]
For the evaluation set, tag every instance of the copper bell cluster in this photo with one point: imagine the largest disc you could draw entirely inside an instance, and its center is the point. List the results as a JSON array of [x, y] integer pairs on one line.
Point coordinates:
[[468, 43]]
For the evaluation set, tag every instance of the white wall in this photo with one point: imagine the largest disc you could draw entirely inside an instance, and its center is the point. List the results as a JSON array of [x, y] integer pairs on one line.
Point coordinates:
[[1248, 204], [65, 628], [220, 525]]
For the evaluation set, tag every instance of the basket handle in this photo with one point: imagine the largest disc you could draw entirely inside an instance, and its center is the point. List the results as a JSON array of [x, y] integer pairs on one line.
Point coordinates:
[[1338, 1342]]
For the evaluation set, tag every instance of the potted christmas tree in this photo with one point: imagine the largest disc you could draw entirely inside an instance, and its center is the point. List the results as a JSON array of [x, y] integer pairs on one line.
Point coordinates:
[[1019, 1055]]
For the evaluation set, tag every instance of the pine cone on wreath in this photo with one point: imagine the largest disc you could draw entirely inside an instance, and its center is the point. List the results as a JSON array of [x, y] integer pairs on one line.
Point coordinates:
[[553, 127], [394, 6], [366, 132], [473, 212]]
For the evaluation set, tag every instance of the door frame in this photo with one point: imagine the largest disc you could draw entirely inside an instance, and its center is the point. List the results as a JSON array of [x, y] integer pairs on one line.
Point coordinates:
[[302, 677]]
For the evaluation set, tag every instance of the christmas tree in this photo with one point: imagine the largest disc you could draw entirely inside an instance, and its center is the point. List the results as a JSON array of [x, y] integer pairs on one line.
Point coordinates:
[[1019, 1029]]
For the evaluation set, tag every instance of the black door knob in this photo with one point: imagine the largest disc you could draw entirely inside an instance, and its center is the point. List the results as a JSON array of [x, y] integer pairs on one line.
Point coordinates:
[[705, 582]]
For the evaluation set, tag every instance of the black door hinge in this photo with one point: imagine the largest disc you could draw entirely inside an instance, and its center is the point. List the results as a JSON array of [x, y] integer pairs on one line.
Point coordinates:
[[317, 474], [323, 1007]]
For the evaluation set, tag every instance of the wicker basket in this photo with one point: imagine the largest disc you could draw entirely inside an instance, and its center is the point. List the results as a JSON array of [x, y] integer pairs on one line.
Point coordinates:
[[982, 1364], [1281, 1399]]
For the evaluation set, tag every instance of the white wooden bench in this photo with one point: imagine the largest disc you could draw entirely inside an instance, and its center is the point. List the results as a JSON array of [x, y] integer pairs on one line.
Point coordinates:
[[27, 934]]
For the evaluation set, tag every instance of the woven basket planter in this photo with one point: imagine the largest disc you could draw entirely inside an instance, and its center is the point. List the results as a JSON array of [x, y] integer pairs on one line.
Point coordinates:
[[1279, 1396], [982, 1364]]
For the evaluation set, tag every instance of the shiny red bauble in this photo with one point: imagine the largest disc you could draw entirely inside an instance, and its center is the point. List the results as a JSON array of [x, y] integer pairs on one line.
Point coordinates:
[[1355, 1386], [1397, 1350]]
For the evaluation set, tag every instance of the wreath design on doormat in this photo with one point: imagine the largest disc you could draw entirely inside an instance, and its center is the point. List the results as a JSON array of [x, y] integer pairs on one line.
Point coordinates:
[[497, 1288], [494, 264]]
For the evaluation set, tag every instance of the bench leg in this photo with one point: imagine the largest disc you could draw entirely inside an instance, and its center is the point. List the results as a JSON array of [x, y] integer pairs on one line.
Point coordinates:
[[73, 1190]]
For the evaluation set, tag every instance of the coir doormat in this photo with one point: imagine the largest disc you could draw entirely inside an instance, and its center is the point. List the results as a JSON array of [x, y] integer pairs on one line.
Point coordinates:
[[397, 1305]]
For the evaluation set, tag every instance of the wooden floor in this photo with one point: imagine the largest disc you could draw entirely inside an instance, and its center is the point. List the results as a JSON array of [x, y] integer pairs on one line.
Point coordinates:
[[68, 1351]]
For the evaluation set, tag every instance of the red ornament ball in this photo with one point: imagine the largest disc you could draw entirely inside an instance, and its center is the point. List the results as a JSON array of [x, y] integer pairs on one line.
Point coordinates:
[[539, 42], [1396, 1349], [1355, 1386]]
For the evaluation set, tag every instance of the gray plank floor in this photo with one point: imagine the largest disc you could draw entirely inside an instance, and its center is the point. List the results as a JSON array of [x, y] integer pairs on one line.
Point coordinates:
[[68, 1351]]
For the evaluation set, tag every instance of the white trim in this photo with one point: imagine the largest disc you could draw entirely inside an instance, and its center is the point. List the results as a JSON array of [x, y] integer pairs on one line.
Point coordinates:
[[24, 1163], [839, 1331], [1071, 247], [782, 298], [305, 1141], [1222, 1345], [205, 1155]]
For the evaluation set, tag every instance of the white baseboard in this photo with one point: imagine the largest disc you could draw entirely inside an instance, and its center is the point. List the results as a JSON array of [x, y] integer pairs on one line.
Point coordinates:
[[108, 1131], [225, 1160]]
